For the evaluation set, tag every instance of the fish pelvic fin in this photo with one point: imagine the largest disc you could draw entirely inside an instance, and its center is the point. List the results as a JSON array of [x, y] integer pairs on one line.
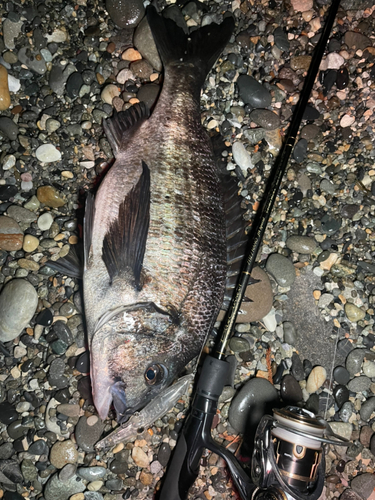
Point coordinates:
[[199, 49], [121, 126], [124, 244]]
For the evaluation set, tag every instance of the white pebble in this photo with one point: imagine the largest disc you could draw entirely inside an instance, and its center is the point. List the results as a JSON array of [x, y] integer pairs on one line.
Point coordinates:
[[241, 156], [34, 384], [334, 61], [270, 320], [26, 186], [58, 36], [347, 120], [48, 153], [9, 162], [124, 75], [316, 379], [87, 164], [45, 221], [13, 83], [19, 352], [109, 92]]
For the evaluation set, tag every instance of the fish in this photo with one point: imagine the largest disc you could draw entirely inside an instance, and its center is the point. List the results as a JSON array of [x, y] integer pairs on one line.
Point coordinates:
[[155, 250]]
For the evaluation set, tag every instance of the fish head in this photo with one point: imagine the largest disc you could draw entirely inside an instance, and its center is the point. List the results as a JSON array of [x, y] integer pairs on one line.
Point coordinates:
[[134, 355]]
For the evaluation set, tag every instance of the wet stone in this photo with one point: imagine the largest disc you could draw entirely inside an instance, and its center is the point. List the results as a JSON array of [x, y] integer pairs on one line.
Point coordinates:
[[50, 197], [8, 128], [56, 375], [239, 344], [11, 235], [16, 429], [44, 318], [164, 454], [346, 411], [91, 473], [354, 313], [290, 390], [118, 467]]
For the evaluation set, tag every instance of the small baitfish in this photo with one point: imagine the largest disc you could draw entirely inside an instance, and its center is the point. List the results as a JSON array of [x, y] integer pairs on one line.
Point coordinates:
[[155, 251]]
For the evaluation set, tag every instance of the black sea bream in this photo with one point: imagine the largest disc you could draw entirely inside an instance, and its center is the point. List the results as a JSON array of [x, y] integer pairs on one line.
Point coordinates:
[[155, 248]]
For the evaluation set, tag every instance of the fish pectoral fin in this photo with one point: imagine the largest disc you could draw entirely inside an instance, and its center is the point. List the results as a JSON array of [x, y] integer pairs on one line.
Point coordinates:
[[121, 126], [124, 244], [87, 227]]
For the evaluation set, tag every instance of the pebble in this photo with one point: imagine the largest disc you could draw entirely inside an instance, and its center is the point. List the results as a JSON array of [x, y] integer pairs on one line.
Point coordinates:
[[18, 303], [359, 384], [302, 5], [56, 489], [253, 401], [290, 390], [87, 435], [368, 368], [354, 313], [252, 92], [281, 269], [341, 375], [355, 40], [316, 379], [265, 119], [91, 473], [341, 395], [40, 447], [290, 334], [241, 156], [343, 429], [140, 458], [125, 14], [109, 93], [301, 244], [48, 153], [354, 361], [50, 197], [4, 89], [8, 128], [45, 221], [7, 413], [144, 42], [11, 235], [62, 453], [367, 409], [363, 485]]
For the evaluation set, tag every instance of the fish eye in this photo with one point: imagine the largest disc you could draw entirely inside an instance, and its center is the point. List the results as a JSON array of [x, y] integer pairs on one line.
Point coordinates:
[[154, 374]]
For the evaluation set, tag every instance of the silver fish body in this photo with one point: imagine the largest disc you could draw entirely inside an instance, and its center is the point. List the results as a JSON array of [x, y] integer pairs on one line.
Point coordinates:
[[151, 296]]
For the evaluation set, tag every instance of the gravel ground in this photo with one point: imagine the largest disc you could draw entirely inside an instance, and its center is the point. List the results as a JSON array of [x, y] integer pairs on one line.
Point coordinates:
[[307, 337]]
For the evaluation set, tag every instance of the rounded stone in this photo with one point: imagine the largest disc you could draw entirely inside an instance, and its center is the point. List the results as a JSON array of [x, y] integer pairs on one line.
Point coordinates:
[[87, 435], [354, 313], [290, 390], [50, 197], [265, 118], [341, 375], [4, 89], [125, 13], [252, 92], [8, 413], [354, 360], [45, 221], [241, 156], [56, 489], [109, 93], [301, 244], [290, 334], [359, 384], [48, 153], [91, 473], [316, 379], [18, 302], [368, 368], [256, 398], [62, 453], [11, 235], [281, 269], [30, 243], [368, 407], [140, 458]]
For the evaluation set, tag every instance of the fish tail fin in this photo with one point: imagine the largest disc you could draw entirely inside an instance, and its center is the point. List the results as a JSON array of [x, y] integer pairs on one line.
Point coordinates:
[[199, 49]]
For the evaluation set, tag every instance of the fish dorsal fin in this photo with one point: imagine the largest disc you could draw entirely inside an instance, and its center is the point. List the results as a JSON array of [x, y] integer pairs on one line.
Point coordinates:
[[235, 226], [87, 227], [124, 244], [121, 126]]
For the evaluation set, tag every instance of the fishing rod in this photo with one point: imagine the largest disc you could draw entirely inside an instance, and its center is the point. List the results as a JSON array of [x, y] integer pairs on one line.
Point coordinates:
[[298, 472]]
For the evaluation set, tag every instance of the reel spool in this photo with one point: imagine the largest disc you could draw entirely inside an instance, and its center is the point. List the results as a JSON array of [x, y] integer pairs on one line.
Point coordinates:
[[288, 452]]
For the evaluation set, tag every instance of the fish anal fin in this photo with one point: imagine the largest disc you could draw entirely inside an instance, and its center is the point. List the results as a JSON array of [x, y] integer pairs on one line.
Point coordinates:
[[124, 244], [121, 126]]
